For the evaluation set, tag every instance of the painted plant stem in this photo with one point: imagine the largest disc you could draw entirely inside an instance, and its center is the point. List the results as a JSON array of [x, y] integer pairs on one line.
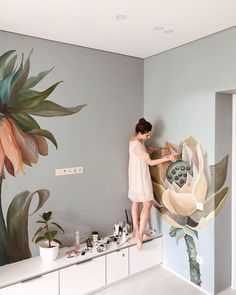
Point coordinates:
[[4, 239], [193, 264]]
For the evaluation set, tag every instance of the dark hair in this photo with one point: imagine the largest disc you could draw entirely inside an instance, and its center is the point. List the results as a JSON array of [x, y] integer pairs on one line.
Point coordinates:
[[143, 126]]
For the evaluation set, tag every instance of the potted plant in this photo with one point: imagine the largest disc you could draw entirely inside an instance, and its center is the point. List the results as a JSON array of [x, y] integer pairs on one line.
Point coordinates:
[[49, 248]]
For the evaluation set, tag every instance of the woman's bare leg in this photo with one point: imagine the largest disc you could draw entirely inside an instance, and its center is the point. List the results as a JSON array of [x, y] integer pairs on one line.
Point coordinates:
[[145, 215], [135, 210]]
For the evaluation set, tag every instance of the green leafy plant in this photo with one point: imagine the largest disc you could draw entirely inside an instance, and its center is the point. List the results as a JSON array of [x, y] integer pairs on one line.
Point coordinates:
[[44, 233]]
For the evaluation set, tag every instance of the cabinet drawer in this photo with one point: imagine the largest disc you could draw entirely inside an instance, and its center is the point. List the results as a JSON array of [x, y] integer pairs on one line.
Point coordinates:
[[35, 286], [149, 256], [117, 265], [83, 278]]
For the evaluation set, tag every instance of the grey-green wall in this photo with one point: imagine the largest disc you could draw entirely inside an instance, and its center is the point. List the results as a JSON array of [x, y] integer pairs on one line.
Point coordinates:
[[179, 98], [223, 146], [96, 138]]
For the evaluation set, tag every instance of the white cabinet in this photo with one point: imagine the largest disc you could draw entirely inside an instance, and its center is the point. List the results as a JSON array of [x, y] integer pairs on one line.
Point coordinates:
[[83, 277], [45, 284], [117, 265], [11, 290], [79, 276], [149, 256]]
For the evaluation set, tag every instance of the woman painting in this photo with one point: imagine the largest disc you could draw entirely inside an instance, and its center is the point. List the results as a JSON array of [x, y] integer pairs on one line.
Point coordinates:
[[140, 184]]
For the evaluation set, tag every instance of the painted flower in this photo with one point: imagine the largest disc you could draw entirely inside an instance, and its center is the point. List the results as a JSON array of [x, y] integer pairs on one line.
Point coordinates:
[[199, 197], [21, 138]]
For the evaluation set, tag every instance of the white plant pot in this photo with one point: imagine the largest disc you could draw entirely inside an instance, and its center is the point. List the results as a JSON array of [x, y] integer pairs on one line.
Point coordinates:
[[48, 254]]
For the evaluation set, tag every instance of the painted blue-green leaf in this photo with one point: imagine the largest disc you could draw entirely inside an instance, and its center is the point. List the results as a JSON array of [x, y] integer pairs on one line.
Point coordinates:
[[17, 220], [5, 88], [50, 109]]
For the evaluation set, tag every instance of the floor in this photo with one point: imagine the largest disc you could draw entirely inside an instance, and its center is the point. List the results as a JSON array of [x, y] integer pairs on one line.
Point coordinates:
[[157, 280], [228, 292]]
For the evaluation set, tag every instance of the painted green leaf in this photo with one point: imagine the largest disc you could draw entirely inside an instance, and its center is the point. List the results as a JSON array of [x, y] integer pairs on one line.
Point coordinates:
[[9, 66], [211, 206], [17, 220], [30, 99], [50, 109], [25, 121], [3, 59], [19, 81], [218, 174], [34, 80], [44, 133], [190, 232], [172, 231], [180, 233]]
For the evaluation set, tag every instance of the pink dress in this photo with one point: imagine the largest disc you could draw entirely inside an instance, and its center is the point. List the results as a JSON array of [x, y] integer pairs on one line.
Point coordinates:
[[140, 184]]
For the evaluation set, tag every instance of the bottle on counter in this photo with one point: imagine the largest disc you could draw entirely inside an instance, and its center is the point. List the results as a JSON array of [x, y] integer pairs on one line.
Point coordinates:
[[77, 240]]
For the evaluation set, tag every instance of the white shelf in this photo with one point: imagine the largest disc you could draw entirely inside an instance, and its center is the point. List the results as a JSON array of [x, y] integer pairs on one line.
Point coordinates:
[[34, 267]]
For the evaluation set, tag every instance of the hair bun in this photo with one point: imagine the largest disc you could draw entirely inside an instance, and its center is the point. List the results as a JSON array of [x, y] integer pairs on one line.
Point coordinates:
[[142, 121]]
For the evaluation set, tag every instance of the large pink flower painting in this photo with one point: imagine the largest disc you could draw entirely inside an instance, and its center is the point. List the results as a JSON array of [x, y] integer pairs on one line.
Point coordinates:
[[188, 193]]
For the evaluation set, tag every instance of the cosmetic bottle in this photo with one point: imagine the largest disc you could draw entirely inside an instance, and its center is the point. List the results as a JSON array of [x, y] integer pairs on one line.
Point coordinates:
[[77, 240]]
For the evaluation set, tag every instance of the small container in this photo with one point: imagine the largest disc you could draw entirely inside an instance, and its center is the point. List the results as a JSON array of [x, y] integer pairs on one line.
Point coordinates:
[[95, 236], [77, 240]]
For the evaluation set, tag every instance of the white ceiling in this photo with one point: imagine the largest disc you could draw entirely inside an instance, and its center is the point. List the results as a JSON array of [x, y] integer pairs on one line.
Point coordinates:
[[93, 23]]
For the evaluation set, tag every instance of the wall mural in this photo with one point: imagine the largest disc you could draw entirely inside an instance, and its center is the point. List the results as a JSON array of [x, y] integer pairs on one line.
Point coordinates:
[[188, 193], [21, 142]]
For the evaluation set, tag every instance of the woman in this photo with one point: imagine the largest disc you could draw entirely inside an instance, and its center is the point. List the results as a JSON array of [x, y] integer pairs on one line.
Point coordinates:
[[140, 184]]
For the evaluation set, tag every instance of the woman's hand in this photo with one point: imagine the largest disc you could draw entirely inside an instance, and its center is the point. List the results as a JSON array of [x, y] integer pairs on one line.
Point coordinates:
[[171, 157], [150, 149]]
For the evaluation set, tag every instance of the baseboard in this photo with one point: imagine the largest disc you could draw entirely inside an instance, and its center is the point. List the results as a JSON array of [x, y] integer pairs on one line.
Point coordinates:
[[186, 280]]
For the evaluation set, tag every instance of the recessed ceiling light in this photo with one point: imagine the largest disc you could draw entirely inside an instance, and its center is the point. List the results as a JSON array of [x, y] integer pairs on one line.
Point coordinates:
[[121, 16], [159, 28], [168, 31]]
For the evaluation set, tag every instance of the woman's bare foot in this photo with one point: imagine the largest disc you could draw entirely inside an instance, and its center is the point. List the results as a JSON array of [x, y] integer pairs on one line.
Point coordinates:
[[146, 235], [139, 245], [139, 242]]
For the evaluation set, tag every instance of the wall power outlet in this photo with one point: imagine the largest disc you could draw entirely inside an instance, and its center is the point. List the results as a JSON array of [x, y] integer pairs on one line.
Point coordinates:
[[69, 171]]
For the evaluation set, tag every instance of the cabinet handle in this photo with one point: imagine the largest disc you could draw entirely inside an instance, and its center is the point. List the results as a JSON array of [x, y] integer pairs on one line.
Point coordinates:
[[148, 241], [31, 279], [82, 262], [123, 255]]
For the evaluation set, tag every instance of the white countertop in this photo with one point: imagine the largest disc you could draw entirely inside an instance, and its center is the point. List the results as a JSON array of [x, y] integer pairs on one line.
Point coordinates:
[[33, 267]]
